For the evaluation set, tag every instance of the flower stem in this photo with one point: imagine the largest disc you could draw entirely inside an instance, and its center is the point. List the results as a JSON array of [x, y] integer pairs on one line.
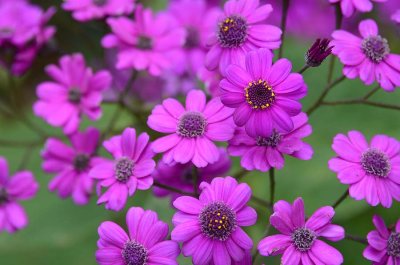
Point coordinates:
[[361, 101], [358, 239], [195, 181], [341, 199], [261, 202], [166, 187], [285, 9], [271, 186], [373, 91], [256, 253], [239, 175], [302, 70]]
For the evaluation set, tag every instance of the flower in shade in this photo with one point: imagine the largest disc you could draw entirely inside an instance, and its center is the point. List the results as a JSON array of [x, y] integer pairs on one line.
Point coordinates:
[[145, 242], [85, 10], [130, 170], [21, 186], [150, 42], [262, 153], [383, 243], [372, 170], [368, 57], [241, 29], [318, 52], [264, 95], [72, 164], [299, 239], [75, 91], [348, 7], [191, 130], [210, 227]]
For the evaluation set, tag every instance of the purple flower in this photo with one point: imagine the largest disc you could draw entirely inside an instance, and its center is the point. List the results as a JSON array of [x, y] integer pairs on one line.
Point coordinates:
[[396, 16], [191, 130], [241, 29], [22, 186], [318, 52], [130, 170], [150, 42], [85, 10], [298, 241], [75, 91], [72, 164], [262, 153], [264, 96], [144, 244], [383, 243], [368, 57], [349, 6], [210, 227], [372, 171]]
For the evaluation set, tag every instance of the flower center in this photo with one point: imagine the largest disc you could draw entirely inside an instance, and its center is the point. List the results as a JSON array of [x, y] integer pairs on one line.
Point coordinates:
[[393, 245], [123, 169], [144, 43], [232, 32], [74, 95], [192, 39], [191, 124], [81, 161], [100, 2], [375, 163], [259, 95], [303, 239], [271, 141], [217, 221], [3, 196], [375, 48], [134, 253]]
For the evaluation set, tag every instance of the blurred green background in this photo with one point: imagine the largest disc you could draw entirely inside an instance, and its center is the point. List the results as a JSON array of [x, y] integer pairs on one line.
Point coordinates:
[[62, 233]]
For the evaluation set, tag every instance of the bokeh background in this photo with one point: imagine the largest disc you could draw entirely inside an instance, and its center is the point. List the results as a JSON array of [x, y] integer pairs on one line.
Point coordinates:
[[62, 233]]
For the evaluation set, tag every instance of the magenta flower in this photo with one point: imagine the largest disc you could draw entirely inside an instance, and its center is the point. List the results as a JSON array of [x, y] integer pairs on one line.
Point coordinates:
[[75, 91], [383, 243], [151, 42], [348, 7], [144, 244], [372, 171], [396, 16], [22, 186], [368, 57], [72, 164], [318, 52], [298, 241], [241, 29], [210, 227], [264, 96], [130, 170], [262, 153], [191, 130], [85, 10]]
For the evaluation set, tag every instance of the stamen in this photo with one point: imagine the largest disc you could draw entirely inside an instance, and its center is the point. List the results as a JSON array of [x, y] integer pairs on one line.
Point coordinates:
[[393, 245], [123, 169], [376, 163], [259, 95], [232, 32], [192, 124], [134, 253], [375, 48], [303, 239]]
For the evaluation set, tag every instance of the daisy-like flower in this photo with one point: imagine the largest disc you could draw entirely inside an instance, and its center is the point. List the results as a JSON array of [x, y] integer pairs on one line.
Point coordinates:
[[241, 29], [192, 129], [262, 153], [130, 170], [368, 57], [85, 10], [150, 42], [264, 96], [72, 164], [383, 243], [75, 91], [145, 242], [372, 170], [210, 227], [348, 7], [19, 187], [299, 239]]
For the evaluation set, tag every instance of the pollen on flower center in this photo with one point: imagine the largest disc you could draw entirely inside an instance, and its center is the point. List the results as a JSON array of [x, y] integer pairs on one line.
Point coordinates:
[[393, 245], [3, 196], [134, 253], [217, 221], [271, 141], [232, 32], [375, 163], [144, 43], [259, 95], [303, 238], [375, 48], [81, 161], [74, 95], [123, 169], [192, 124], [192, 38]]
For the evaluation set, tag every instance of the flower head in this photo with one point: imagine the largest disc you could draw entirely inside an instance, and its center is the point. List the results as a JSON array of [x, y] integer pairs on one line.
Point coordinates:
[[210, 227], [299, 239], [318, 52], [348, 7], [372, 170]]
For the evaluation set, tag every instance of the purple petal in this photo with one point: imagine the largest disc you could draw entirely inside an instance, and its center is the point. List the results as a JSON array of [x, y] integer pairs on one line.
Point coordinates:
[[188, 205], [195, 101], [112, 234], [246, 217], [291, 256], [320, 218], [332, 232], [326, 254], [220, 254], [368, 27], [274, 245]]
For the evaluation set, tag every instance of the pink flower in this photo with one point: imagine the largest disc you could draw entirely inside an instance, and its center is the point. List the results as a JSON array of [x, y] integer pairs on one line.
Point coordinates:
[[372, 170], [396, 16], [349, 6], [368, 57], [191, 130], [75, 91]]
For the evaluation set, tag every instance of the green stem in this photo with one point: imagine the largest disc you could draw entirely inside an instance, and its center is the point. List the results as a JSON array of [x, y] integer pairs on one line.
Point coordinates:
[[272, 185], [166, 187], [303, 69], [358, 239], [361, 101], [239, 175], [341, 199], [285, 9]]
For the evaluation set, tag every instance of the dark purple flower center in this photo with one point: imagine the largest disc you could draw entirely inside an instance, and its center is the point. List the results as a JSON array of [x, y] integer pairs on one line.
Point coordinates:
[[271, 141], [217, 221], [393, 245], [375, 163], [123, 169], [303, 238], [192, 38], [144, 43], [232, 32], [259, 95], [81, 161], [134, 253], [318, 52], [192, 124], [3, 196], [375, 48], [74, 95], [100, 2]]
